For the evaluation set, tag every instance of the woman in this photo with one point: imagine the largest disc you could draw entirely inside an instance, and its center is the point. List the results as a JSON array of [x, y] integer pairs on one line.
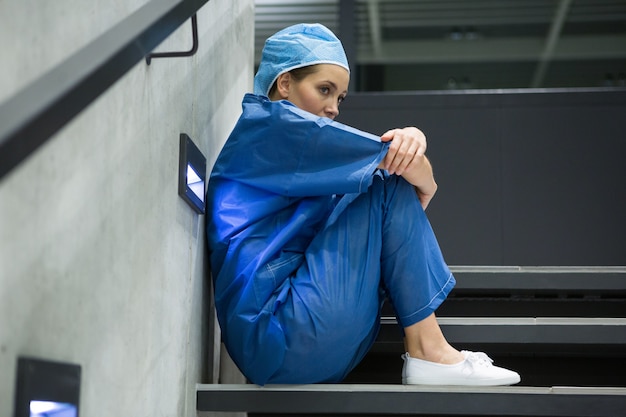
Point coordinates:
[[313, 223]]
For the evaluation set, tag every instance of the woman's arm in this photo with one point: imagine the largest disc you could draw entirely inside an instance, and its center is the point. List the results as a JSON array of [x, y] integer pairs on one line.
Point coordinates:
[[406, 157]]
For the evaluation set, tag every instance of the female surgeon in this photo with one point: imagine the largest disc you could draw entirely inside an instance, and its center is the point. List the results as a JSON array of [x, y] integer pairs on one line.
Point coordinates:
[[312, 224]]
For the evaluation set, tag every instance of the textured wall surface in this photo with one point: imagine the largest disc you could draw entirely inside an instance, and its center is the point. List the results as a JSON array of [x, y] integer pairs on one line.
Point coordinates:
[[101, 262]]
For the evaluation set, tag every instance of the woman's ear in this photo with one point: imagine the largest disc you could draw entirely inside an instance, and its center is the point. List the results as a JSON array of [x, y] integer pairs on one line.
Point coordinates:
[[282, 85]]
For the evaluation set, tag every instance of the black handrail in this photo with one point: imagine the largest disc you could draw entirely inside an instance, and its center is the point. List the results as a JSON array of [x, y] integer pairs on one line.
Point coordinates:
[[180, 54], [33, 115]]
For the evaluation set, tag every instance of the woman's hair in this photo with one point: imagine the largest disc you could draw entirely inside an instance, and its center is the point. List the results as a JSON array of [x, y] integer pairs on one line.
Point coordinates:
[[298, 74]]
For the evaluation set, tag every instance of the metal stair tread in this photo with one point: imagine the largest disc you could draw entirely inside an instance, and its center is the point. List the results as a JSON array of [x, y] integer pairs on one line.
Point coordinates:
[[390, 399], [539, 278], [374, 388], [522, 321]]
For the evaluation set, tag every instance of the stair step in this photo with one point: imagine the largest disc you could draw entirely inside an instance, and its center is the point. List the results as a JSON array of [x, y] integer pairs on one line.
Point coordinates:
[[552, 269], [576, 333], [413, 400], [571, 331], [540, 278], [567, 291]]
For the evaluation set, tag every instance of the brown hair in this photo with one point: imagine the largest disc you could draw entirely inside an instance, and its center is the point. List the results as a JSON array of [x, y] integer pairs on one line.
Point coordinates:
[[298, 74]]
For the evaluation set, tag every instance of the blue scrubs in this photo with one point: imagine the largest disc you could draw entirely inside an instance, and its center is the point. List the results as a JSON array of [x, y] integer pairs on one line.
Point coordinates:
[[306, 238]]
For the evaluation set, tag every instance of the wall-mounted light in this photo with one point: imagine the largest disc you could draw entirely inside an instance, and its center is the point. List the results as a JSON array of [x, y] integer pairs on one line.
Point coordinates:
[[46, 388], [191, 174]]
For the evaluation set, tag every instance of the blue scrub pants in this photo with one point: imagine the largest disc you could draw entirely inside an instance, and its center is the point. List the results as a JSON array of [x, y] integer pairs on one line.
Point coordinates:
[[380, 245]]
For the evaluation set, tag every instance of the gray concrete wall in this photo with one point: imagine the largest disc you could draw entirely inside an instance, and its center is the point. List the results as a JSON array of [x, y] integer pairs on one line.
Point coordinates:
[[101, 262]]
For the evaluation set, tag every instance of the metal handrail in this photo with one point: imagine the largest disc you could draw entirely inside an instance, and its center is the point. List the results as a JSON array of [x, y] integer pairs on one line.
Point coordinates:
[[180, 54], [37, 112]]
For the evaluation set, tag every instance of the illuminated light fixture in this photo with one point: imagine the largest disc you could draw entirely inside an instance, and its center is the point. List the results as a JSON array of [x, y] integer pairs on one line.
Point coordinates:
[[195, 183], [191, 174], [52, 408], [44, 388]]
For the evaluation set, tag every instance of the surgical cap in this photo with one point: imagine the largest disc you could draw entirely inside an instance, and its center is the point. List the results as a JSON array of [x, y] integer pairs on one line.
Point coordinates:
[[296, 47]]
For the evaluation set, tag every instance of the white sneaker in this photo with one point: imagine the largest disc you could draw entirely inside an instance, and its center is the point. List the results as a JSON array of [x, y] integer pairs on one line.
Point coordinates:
[[476, 370]]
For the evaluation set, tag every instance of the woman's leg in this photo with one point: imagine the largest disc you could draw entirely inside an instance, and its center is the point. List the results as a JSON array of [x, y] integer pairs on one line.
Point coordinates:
[[332, 314], [425, 340], [418, 281], [414, 272]]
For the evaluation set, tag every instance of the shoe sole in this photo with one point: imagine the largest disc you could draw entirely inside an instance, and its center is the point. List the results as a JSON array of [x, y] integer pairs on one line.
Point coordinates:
[[466, 383]]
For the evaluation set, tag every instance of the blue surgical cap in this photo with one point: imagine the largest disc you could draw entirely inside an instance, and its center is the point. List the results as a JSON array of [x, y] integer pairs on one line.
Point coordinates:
[[295, 47]]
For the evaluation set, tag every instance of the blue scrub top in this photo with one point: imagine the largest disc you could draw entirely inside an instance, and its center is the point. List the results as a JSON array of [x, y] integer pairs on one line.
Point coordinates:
[[283, 175]]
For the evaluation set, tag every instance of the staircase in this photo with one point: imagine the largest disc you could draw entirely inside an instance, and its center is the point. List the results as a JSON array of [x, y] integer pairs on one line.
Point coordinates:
[[562, 328]]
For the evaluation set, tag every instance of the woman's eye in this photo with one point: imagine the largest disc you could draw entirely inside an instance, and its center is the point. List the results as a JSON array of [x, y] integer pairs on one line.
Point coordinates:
[[324, 90]]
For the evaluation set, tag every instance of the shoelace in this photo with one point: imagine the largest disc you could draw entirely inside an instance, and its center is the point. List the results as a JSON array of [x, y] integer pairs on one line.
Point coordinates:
[[478, 358]]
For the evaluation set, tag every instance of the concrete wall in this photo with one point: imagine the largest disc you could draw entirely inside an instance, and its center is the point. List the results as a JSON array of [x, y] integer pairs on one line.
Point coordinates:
[[101, 262]]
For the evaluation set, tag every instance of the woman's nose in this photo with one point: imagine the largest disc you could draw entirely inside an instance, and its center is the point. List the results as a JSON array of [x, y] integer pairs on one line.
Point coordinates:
[[332, 111]]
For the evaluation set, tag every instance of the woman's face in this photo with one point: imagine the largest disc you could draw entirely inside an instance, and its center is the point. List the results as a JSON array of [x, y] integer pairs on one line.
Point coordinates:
[[319, 93]]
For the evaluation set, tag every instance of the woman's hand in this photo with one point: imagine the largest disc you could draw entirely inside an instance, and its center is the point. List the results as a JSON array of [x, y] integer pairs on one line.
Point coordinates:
[[406, 157], [406, 145]]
